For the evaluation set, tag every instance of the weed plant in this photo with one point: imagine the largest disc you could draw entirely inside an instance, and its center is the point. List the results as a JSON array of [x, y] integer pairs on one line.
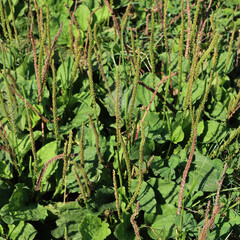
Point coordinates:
[[119, 119]]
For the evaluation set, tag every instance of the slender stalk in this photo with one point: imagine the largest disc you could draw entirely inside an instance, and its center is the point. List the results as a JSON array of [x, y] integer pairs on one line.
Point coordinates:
[[65, 167], [84, 175], [133, 47], [80, 185], [118, 130], [230, 47], [29, 105], [97, 42], [40, 177], [190, 83], [134, 223], [70, 37], [35, 60], [152, 59], [206, 54], [82, 146], [116, 194], [230, 106], [117, 107], [7, 24], [46, 64], [75, 67], [38, 18], [116, 25], [194, 25], [31, 139], [41, 53], [48, 28], [180, 51], [209, 84], [14, 25], [169, 82], [188, 30], [90, 73], [185, 173], [135, 85], [225, 144], [127, 160], [100, 159], [140, 178], [54, 101], [3, 21]]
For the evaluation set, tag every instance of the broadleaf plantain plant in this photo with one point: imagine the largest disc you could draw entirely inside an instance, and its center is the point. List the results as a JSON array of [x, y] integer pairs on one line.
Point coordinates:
[[119, 120]]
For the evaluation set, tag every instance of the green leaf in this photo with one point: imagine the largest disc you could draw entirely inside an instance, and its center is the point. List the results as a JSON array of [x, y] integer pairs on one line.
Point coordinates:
[[207, 173], [25, 143], [157, 165], [167, 173], [178, 135], [169, 190], [198, 90], [164, 224], [173, 161], [92, 228], [22, 231], [44, 154], [5, 193], [146, 196], [64, 73], [144, 95], [5, 171], [213, 130], [221, 63], [148, 149], [34, 117], [219, 112], [70, 216], [200, 128], [92, 168], [83, 14], [19, 208], [81, 114], [124, 230], [221, 231], [103, 199], [102, 14]]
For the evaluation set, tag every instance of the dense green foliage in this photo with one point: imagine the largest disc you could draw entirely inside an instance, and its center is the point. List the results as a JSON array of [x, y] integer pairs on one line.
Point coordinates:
[[119, 120]]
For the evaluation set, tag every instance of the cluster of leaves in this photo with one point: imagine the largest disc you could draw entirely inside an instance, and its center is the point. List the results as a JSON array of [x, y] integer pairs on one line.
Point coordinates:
[[101, 104]]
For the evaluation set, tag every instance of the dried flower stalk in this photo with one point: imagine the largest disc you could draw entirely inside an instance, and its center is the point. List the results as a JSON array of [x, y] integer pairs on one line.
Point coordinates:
[[216, 206], [40, 177], [29, 105], [185, 173], [134, 223], [46, 65], [116, 194]]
